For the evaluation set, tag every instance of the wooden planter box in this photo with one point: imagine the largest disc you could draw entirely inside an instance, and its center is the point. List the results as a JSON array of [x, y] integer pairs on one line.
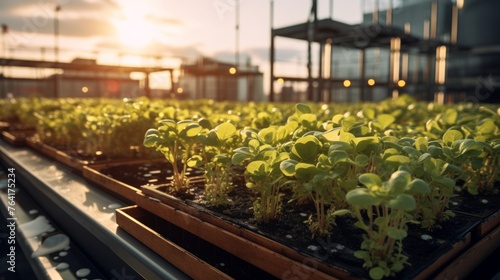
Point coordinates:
[[271, 261], [471, 258], [277, 258], [17, 138], [55, 154], [4, 125], [92, 172], [133, 219]]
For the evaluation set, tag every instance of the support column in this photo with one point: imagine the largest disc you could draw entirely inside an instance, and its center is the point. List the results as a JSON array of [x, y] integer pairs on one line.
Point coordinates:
[[310, 88], [271, 63], [327, 70], [172, 84], [395, 65], [319, 95], [440, 74], [362, 67], [147, 90]]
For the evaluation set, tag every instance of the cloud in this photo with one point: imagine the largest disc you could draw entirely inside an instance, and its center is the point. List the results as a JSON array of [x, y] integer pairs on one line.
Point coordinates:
[[76, 18], [154, 48], [163, 20]]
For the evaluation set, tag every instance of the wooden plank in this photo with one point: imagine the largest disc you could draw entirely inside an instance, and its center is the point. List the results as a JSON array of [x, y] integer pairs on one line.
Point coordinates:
[[471, 258], [129, 219]]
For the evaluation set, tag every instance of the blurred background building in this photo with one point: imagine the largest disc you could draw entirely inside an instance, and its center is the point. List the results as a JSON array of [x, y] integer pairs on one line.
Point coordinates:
[[443, 51], [211, 79], [434, 50]]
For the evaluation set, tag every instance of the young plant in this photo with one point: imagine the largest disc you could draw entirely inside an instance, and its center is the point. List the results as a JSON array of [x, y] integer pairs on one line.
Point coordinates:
[[263, 173], [217, 150], [425, 162], [383, 210], [176, 140], [321, 177], [314, 181]]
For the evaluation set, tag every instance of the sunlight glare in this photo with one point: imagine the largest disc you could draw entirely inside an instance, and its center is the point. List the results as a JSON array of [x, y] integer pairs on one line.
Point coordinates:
[[134, 29]]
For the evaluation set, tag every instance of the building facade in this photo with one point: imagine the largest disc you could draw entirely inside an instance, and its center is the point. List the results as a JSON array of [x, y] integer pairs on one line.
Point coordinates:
[[211, 79]]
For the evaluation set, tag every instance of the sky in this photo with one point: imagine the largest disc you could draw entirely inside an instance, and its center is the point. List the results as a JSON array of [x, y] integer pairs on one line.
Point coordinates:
[[139, 32]]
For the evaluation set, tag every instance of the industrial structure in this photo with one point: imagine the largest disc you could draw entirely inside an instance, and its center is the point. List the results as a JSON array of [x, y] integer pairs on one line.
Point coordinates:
[[211, 79], [78, 78], [443, 51]]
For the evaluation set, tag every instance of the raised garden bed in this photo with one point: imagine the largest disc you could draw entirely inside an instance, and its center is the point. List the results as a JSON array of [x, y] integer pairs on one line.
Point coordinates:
[[334, 254], [237, 223], [99, 173], [437, 254], [59, 155], [368, 172], [196, 257], [73, 159], [17, 138], [485, 207]]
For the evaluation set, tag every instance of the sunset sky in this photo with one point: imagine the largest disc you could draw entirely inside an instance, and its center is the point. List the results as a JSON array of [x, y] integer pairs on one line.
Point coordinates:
[[181, 29]]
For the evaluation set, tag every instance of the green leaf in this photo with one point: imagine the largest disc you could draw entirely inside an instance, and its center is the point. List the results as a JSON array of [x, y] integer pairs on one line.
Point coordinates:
[[288, 167], [332, 135], [347, 125], [385, 120], [267, 135], [487, 127], [362, 143], [418, 186], [195, 160], [451, 136], [421, 144], [191, 130], [361, 198], [450, 116], [398, 160], [282, 133], [403, 202], [338, 156], [151, 137], [399, 181], [424, 157], [306, 148], [258, 168], [205, 123], [369, 113], [340, 145], [412, 151], [336, 119], [167, 123], [341, 212], [305, 171], [254, 145], [376, 273], [453, 168], [361, 254], [225, 130], [396, 233], [239, 158], [361, 160], [445, 181], [301, 108], [307, 119], [370, 180]]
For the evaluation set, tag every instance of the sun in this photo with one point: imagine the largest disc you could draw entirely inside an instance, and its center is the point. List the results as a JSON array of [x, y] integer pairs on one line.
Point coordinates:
[[133, 28], [135, 32]]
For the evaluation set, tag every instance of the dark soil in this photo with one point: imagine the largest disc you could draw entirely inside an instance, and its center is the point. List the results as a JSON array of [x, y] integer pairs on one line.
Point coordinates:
[[478, 205], [98, 157], [291, 230]]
